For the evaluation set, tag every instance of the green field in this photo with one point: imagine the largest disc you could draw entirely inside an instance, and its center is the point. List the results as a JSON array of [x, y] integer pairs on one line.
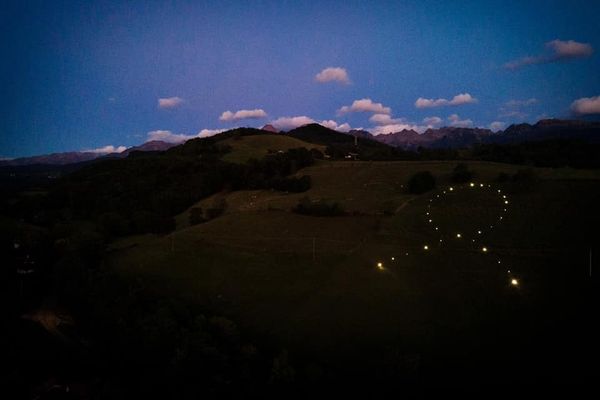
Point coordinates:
[[313, 285]]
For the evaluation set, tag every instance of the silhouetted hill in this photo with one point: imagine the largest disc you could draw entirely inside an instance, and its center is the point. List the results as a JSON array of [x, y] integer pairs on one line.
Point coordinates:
[[315, 133], [551, 129], [270, 128], [154, 145], [70, 157]]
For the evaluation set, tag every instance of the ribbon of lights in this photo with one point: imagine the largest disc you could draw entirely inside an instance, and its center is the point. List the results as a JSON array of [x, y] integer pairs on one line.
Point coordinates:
[[484, 249]]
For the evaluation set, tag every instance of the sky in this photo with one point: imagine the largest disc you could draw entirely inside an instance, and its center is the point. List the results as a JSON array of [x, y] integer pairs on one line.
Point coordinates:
[[98, 75]]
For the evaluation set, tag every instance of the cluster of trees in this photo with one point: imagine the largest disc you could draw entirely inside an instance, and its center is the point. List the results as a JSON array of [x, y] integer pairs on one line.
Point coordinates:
[[142, 194]]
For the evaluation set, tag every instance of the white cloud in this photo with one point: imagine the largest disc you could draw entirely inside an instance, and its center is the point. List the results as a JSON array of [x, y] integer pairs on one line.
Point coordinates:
[[432, 121], [586, 105], [459, 99], [569, 49], [331, 124], [455, 121], [107, 149], [333, 74], [285, 123], [242, 114], [365, 105], [169, 102], [385, 119], [170, 137], [497, 126], [558, 50], [385, 129]]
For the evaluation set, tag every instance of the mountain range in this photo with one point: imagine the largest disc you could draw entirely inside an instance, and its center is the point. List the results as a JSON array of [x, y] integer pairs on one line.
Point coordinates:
[[445, 137]]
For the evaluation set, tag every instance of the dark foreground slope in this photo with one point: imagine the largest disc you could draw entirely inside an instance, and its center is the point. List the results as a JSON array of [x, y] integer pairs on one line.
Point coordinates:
[[255, 297]]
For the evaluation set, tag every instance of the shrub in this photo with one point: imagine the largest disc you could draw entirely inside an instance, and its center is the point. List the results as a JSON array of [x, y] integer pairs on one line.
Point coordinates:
[[320, 209]]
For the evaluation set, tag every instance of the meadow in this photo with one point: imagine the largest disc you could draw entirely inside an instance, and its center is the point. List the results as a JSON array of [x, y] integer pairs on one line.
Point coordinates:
[[361, 295]]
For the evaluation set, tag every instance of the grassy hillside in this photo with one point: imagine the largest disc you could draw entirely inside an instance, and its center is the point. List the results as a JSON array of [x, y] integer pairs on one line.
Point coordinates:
[[313, 284], [244, 148]]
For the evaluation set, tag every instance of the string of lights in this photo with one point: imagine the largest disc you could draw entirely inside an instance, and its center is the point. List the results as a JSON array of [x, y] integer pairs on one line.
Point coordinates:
[[474, 237]]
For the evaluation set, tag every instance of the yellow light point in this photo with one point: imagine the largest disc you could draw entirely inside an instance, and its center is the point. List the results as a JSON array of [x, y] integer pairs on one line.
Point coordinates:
[[472, 184], [481, 184], [425, 247], [499, 191], [500, 262], [505, 201], [479, 232], [458, 235], [427, 213], [514, 282], [436, 228], [451, 189], [484, 249], [380, 265], [503, 196], [430, 220], [393, 258]]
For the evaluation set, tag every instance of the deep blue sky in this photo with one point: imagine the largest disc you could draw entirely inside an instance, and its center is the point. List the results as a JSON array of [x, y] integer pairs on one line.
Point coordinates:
[[83, 75]]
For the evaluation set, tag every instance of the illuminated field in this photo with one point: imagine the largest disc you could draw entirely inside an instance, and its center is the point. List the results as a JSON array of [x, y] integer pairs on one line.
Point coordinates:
[[321, 286]]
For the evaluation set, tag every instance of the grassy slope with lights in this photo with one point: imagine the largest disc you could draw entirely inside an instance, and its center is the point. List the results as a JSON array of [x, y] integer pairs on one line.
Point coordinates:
[[430, 313]]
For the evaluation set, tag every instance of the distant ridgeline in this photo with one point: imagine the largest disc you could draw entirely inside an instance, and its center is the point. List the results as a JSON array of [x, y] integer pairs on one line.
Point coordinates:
[[142, 190]]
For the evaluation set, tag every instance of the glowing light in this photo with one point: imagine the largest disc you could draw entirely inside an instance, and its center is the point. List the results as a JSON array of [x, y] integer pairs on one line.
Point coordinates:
[[500, 217], [436, 228], [425, 247], [406, 254], [380, 265], [484, 249], [481, 184], [393, 258], [505, 201], [428, 213], [499, 191], [438, 195], [514, 282], [500, 262], [503, 196], [430, 220], [472, 184], [451, 189], [458, 235]]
